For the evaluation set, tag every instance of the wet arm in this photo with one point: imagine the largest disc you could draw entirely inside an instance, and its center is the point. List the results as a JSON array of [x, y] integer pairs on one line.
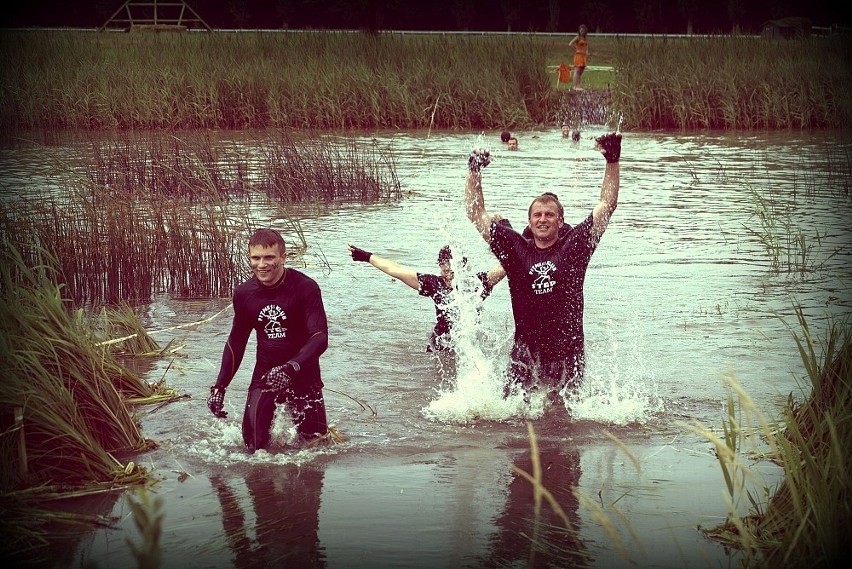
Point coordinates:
[[496, 274], [397, 271], [475, 205], [232, 355], [317, 326], [609, 199], [313, 348]]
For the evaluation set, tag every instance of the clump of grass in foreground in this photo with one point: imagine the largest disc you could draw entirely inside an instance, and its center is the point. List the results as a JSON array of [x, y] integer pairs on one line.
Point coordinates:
[[805, 522], [63, 405], [69, 392]]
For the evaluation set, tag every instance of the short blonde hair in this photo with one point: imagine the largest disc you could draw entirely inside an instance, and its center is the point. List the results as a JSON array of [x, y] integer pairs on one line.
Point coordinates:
[[547, 197]]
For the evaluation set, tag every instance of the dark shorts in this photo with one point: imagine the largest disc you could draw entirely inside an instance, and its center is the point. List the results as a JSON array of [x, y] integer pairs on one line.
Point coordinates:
[[531, 372], [306, 408]]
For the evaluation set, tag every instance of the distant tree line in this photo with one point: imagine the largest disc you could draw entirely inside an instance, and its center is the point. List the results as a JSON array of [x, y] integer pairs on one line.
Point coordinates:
[[612, 16]]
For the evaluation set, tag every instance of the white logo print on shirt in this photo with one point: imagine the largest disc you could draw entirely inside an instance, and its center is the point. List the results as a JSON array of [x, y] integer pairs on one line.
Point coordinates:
[[543, 283], [274, 316]]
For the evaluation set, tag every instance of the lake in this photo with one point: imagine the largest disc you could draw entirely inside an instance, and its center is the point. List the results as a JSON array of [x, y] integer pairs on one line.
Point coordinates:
[[681, 293]]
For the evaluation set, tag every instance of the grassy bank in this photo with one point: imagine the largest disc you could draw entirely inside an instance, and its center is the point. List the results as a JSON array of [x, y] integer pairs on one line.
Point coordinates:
[[340, 81], [66, 405], [804, 520], [734, 83], [328, 81]]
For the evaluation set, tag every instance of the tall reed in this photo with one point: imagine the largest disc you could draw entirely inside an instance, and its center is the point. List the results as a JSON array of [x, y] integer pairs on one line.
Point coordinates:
[[327, 169], [140, 215], [732, 82], [113, 250], [305, 80], [69, 392], [805, 521], [787, 245]]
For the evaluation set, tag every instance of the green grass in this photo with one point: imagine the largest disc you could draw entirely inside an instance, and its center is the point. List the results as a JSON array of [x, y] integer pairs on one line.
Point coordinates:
[[249, 80], [336, 81], [730, 82]]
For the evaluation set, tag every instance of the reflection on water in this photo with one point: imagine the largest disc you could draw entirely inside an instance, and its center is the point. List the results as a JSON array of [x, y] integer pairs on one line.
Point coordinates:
[[285, 507], [549, 538], [679, 293]]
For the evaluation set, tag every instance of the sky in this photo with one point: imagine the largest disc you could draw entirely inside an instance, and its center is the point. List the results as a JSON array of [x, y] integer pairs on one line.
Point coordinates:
[[612, 16]]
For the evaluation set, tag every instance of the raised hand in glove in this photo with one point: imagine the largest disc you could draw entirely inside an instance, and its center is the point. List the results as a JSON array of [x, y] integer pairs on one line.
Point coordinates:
[[280, 377], [478, 159], [359, 254], [610, 145], [216, 401]]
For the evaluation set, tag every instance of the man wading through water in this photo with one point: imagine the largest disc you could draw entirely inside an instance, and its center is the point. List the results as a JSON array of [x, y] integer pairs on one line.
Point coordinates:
[[546, 272], [284, 308]]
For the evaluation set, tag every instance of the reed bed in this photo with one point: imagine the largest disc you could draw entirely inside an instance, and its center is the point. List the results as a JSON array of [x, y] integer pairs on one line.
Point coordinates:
[[329, 169], [111, 250], [68, 394], [286, 166], [190, 167], [257, 80], [806, 519], [146, 214], [64, 408], [732, 82]]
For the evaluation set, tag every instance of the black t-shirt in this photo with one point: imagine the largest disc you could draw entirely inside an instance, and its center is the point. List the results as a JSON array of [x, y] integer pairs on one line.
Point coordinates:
[[546, 287], [286, 318], [436, 288]]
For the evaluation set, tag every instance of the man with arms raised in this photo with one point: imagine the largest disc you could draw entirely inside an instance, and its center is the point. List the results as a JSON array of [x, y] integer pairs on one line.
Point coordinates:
[[546, 271]]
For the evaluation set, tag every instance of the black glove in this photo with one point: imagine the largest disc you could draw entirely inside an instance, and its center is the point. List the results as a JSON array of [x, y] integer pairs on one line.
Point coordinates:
[[216, 401], [478, 159], [280, 377], [360, 254], [610, 145]]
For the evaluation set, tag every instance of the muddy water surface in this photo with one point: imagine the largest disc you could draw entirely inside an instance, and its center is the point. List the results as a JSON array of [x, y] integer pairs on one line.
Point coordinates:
[[680, 294]]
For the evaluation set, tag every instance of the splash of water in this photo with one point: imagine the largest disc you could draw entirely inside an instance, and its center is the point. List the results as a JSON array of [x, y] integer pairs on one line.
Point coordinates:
[[619, 386], [222, 443], [480, 355]]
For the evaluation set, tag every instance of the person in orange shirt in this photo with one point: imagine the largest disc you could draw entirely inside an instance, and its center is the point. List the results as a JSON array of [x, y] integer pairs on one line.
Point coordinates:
[[581, 52]]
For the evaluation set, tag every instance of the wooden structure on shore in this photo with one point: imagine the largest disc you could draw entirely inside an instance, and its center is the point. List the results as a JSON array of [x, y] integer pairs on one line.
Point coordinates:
[[155, 16]]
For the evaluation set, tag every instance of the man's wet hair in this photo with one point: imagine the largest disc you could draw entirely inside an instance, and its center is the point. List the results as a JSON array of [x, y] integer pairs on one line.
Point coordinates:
[[505, 136], [545, 198], [266, 237], [445, 255]]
